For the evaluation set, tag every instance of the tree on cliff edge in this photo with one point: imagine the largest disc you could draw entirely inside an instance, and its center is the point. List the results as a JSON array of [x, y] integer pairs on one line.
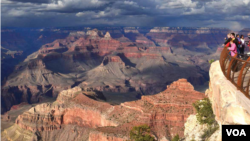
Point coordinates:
[[204, 111], [176, 138], [141, 133]]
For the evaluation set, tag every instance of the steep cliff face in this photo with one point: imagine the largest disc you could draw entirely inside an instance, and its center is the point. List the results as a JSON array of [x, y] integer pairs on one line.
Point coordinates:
[[165, 113], [230, 106], [195, 131]]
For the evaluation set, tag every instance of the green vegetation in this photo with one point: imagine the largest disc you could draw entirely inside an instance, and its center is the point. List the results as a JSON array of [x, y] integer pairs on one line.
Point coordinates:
[[204, 111], [141, 133], [211, 129], [205, 116], [176, 138], [211, 61]]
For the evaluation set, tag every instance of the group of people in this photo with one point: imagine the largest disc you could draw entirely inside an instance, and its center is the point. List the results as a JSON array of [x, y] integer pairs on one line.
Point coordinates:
[[236, 44]]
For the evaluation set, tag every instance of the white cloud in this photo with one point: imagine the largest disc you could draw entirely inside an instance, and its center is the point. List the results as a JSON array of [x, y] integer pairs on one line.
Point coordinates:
[[5, 2], [172, 4], [74, 4], [130, 3], [195, 11], [246, 2], [108, 13], [16, 13], [79, 14]]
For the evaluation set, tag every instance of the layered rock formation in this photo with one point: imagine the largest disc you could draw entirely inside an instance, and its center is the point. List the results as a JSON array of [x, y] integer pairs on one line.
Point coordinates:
[[195, 39], [79, 117], [94, 60], [18, 43], [67, 62], [118, 61]]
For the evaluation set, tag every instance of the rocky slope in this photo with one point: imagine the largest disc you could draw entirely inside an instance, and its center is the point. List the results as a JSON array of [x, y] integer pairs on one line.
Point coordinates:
[[18, 43], [75, 116]]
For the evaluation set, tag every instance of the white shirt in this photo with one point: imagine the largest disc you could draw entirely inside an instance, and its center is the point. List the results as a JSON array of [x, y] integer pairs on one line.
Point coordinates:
[[242, 41]]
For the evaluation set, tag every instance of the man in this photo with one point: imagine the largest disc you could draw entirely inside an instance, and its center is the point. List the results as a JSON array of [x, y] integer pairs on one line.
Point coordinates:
[[235, 40], [238, 37], [227, 40]]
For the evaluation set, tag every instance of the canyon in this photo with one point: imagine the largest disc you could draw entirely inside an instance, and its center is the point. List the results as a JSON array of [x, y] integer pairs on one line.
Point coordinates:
[[111, 60], [78, 114], [98, 83]]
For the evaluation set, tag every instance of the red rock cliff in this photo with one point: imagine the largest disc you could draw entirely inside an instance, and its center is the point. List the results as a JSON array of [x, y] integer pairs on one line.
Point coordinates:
[[165, 113]]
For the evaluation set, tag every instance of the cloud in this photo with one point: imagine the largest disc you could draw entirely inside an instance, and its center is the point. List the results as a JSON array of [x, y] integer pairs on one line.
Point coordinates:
[[176, 4], [31, 1], [75, 6], [130, 3], [194, 11], [16, 13], [232, 14]]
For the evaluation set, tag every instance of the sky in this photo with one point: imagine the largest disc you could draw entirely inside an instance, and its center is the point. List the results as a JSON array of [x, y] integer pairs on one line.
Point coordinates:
[[232, 14]]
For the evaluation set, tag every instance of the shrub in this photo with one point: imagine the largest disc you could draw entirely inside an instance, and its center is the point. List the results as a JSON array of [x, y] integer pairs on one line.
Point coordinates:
[[211, 129], [204, 111], [205, 116], [211, 61], [176, 138], [141, 133]]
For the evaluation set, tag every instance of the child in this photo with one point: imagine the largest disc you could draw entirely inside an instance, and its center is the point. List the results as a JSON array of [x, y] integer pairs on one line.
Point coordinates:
[[233, 48]]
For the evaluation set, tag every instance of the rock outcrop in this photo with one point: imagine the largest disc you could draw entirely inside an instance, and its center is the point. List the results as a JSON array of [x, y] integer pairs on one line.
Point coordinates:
[[165, 113], [230, 106], [195, 131]]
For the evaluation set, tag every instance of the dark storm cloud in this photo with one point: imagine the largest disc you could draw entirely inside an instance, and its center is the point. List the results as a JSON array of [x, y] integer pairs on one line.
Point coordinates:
[[234, 14], [31, 1], [75, 9]]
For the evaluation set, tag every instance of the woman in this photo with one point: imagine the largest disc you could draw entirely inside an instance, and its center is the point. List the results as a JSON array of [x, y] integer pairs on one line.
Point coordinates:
[[233, 48], [242, 46]]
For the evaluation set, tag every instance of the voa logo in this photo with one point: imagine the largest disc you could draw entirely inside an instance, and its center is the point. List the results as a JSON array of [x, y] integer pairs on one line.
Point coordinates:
[[236, 132]]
